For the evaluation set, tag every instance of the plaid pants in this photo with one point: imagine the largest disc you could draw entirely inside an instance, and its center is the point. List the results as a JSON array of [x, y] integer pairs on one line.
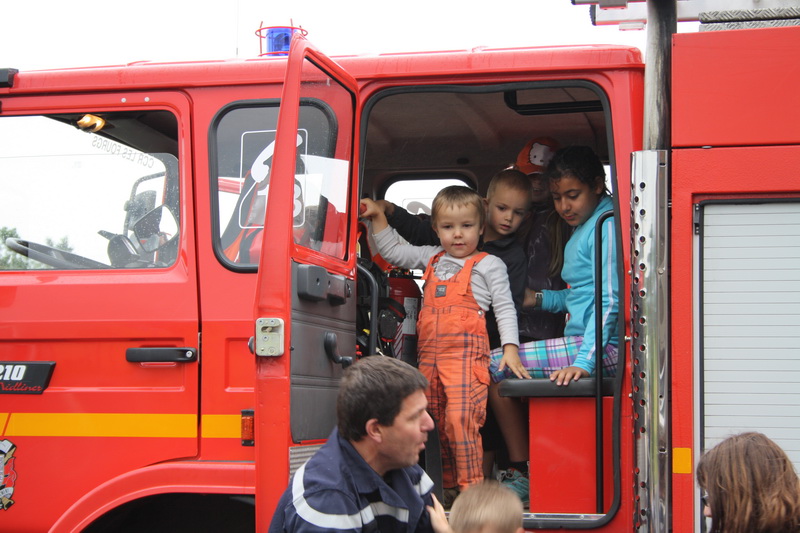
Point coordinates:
[[542, 358], [454, 357]]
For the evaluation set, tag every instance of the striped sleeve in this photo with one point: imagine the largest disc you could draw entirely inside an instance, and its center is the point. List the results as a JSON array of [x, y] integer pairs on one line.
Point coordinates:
[[322, 510]]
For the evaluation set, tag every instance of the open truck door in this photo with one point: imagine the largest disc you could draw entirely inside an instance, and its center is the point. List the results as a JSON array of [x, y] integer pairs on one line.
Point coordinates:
[[305, 331]]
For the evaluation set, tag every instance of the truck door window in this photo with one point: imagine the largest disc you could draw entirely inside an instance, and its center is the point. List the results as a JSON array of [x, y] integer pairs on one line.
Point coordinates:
[[242, 155], [89, 191], [244, 147]]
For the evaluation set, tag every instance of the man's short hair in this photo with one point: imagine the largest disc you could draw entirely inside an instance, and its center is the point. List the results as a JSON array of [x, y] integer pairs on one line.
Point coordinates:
[[487, 505], [374, 387]]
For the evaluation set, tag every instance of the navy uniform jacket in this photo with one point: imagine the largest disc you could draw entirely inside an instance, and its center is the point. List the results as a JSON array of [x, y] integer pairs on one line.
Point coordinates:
[[336, 490]]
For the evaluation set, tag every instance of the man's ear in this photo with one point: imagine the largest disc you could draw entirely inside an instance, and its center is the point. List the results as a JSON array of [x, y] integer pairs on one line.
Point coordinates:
[[374, 430]]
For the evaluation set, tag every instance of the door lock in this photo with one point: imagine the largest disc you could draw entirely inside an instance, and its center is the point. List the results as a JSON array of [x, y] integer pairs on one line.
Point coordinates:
[[269, 337]]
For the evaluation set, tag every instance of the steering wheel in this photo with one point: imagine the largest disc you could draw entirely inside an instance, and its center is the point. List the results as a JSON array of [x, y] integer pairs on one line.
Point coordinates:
[[52, 256]]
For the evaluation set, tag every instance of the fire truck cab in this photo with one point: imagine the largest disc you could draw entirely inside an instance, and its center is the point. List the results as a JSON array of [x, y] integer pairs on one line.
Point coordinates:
[[183, 268], [135, 204]]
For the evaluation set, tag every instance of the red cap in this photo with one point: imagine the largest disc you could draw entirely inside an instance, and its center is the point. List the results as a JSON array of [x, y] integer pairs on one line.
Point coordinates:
[[535, 156]]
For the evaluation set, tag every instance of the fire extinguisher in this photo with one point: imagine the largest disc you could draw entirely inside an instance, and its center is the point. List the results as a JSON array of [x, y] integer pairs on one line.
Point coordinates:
[[404, 290]]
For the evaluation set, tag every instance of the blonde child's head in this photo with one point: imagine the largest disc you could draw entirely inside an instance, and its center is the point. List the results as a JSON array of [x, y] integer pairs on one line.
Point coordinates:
[[508, 202], [458, 217], [512, 179], [487, 507], [457, 196]]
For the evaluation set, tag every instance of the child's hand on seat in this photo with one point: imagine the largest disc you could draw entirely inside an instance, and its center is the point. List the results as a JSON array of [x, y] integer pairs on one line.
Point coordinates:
[[570, 373], [511, 360]]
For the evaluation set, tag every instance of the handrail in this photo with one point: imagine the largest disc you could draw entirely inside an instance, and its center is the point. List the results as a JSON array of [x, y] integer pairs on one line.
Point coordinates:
[[598, 328]]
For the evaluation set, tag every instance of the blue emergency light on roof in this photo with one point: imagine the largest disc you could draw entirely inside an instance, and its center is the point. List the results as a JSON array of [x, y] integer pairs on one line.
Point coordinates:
[[277, 39]]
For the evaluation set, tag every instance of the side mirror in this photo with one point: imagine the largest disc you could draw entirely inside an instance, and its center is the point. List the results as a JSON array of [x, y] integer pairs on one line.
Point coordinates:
[[156, 228]]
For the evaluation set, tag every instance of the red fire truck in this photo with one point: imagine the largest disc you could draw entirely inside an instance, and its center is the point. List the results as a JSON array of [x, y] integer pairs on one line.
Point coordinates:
[[183, 275]]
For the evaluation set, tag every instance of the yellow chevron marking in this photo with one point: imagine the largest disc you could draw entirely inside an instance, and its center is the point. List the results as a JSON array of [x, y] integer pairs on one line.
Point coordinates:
[[101, 425], [221, 426]]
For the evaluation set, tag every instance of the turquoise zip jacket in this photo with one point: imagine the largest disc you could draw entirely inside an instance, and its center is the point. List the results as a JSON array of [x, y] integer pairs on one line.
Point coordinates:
[[578, 299]]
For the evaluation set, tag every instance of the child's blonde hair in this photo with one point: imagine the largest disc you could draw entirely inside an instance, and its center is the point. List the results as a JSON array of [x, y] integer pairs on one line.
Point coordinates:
[[513, 179], [457, 196], [486, 505]]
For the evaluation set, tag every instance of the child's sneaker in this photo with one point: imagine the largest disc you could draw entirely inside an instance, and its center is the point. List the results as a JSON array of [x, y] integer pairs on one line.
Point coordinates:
[[519, 484]]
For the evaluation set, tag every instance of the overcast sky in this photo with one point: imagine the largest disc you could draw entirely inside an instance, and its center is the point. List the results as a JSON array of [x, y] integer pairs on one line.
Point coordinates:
[[41, 34]]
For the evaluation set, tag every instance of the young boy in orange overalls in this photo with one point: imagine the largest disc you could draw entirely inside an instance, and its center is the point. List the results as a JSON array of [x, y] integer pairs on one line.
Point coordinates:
[[461, 284]]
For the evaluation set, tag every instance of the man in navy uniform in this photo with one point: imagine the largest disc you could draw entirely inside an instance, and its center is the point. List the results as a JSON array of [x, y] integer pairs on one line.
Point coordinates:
[[366, 477]]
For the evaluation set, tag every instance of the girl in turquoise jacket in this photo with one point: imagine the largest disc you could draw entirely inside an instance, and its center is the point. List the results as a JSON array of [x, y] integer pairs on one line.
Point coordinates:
[[577, 183]]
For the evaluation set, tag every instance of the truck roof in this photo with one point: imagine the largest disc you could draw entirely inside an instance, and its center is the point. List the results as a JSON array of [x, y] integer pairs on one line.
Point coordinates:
[[142, 75]]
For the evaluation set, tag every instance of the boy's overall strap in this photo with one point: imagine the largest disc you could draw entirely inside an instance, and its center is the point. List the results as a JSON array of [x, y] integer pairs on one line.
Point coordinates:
[[466, 272]]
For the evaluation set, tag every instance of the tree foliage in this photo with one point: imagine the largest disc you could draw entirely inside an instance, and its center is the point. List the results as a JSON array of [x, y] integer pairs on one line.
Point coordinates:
[[11, 260]]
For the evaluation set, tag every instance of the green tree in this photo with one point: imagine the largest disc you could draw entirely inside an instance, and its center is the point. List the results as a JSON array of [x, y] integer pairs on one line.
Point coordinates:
[[11, 260], [63, 244]]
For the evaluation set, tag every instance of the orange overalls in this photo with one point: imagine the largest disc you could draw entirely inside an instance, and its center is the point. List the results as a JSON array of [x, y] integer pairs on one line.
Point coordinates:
[[454, 357]]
